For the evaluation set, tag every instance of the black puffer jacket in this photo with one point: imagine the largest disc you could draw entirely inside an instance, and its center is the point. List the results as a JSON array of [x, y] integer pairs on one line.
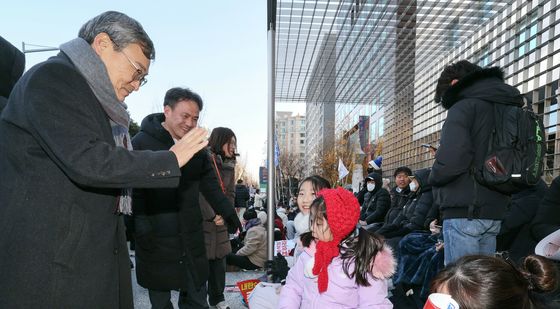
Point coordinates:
[[376, 203], [414, 212], [464, 142], [168, 222], [241, 195], [399, 199]]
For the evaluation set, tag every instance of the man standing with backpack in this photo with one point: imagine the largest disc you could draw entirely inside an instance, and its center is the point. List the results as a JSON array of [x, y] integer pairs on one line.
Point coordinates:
[[471, 212]]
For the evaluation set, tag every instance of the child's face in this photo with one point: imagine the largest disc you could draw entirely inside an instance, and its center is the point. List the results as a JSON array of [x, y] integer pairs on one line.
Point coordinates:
[[305, 197], [320, 229]]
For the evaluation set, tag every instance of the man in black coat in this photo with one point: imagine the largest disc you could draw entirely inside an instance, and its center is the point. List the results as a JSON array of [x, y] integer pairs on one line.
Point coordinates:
[[67, 169], [242, 196], [471, 212], [170, 250]]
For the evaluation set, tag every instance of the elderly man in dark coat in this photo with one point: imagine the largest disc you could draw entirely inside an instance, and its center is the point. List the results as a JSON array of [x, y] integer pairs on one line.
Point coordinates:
[[66, 167], [170, 250]]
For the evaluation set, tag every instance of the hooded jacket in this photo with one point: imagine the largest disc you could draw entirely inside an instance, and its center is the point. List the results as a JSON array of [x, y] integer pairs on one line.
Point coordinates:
[[414, 212], [168, 222], [12, 64], [464, 142], [376, 203], [301, 289]]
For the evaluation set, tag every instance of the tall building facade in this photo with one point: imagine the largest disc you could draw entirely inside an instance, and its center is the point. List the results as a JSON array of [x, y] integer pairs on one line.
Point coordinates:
[[389, 54], [524, 40], [320, 107], [290, 131]]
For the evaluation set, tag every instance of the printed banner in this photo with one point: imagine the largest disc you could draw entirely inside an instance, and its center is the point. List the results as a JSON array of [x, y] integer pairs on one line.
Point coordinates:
[[246, 287]]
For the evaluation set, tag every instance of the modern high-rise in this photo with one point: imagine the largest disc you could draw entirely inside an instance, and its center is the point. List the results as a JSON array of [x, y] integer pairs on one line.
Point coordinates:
[[524, 40], [389, 55], [290, 131]]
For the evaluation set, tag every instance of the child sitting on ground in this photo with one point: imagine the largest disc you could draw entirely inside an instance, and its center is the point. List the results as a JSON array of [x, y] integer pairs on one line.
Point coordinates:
[[339, 269]]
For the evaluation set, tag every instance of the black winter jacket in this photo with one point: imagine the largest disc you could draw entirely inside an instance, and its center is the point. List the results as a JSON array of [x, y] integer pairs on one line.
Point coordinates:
[[399, 199], [168, 222], [414, 211], [241, 196], [547, 218], [376, 203], [464, 142]]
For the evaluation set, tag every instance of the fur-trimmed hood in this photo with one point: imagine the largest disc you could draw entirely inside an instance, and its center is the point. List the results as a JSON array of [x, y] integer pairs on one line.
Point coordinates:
[[487, 85]]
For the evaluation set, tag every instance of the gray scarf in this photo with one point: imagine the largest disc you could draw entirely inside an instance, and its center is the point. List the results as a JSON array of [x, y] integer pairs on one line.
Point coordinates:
[[93, 69]]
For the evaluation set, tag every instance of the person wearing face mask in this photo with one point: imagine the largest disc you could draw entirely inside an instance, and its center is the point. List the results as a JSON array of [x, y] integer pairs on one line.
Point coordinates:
[[414, 212], [376, 201], [399, 197]]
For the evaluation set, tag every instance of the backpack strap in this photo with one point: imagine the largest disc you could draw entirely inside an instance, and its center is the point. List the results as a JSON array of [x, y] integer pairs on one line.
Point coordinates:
[[472, 205], [218, 174]]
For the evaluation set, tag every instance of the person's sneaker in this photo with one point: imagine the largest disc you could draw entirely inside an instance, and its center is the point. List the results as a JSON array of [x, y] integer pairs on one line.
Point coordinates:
[[220, 305]]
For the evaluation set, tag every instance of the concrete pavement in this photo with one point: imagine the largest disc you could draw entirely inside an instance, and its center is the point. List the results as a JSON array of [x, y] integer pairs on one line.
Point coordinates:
[[232, 294]]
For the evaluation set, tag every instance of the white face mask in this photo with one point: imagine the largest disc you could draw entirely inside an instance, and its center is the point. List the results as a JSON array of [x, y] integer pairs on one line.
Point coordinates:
[[370, 187], [412, 186]]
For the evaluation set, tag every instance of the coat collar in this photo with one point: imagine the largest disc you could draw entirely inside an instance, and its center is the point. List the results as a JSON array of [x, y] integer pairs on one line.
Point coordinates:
[[451, 95]]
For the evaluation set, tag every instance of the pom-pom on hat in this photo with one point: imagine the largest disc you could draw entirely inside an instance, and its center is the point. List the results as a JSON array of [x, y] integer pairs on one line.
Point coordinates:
[[376, 164], [343, 212]]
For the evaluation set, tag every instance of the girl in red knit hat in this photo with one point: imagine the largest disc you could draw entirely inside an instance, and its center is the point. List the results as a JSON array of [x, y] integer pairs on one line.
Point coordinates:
[[340, 269]]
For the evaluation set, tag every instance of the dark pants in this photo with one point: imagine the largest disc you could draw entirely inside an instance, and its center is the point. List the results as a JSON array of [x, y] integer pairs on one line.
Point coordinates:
[[240, 261], [191, 297], [216, 281]]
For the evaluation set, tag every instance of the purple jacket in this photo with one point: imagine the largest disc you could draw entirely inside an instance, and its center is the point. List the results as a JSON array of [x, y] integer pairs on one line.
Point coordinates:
[[301, 290]]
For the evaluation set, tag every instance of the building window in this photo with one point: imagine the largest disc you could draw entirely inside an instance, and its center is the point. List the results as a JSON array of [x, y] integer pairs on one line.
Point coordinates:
[[484, 57], [527, 30], [381, 124]]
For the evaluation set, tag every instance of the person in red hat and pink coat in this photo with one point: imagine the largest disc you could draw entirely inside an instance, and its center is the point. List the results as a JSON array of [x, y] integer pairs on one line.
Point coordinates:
[[341, 268]]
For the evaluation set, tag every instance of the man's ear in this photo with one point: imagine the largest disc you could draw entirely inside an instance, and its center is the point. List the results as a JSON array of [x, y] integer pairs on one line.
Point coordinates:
[[101, 43], [453, 82]]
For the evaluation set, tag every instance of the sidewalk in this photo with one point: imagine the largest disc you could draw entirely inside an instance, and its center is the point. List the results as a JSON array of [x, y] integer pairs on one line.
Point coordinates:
[[232, 294]]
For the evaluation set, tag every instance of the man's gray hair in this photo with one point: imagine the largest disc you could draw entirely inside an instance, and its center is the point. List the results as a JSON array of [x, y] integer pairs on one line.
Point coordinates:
[[122, 29]]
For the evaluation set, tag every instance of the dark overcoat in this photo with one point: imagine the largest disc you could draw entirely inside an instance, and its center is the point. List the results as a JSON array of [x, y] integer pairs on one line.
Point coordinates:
[[62, 245], [168, 222]]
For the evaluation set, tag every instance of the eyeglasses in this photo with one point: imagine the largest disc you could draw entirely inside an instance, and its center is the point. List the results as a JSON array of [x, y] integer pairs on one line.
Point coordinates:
[[139, 74]]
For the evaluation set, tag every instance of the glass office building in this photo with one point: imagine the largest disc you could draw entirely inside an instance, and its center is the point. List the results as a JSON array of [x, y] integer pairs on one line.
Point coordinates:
[[384, 58]]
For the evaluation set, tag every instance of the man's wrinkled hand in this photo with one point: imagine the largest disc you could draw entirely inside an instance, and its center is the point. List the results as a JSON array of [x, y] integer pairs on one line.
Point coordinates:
[[191, 143]]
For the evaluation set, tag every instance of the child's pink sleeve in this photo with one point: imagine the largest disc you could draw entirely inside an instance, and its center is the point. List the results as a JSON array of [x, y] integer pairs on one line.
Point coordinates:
[[375, 295], [292, 291]]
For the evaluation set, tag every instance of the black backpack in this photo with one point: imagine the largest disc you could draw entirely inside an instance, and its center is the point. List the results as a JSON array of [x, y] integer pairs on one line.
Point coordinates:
[[514, 160]]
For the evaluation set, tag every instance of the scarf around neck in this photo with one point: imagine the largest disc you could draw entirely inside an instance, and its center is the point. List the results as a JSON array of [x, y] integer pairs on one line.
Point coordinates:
[[251, 223], [94, 71]]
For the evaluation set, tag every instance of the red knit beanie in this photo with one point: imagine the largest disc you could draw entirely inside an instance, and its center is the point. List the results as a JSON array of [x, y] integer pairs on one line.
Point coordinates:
[[343, 212]]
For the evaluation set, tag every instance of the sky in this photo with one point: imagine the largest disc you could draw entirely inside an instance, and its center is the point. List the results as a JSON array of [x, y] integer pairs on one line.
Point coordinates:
[[216, 48]]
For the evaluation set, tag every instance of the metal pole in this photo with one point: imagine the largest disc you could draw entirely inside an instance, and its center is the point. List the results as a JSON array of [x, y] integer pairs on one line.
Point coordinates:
[[271, 27], [36, 50]]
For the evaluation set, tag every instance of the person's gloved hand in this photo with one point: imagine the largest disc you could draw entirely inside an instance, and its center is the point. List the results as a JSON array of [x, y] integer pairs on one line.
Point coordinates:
[[279, 269], [233, 223]]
